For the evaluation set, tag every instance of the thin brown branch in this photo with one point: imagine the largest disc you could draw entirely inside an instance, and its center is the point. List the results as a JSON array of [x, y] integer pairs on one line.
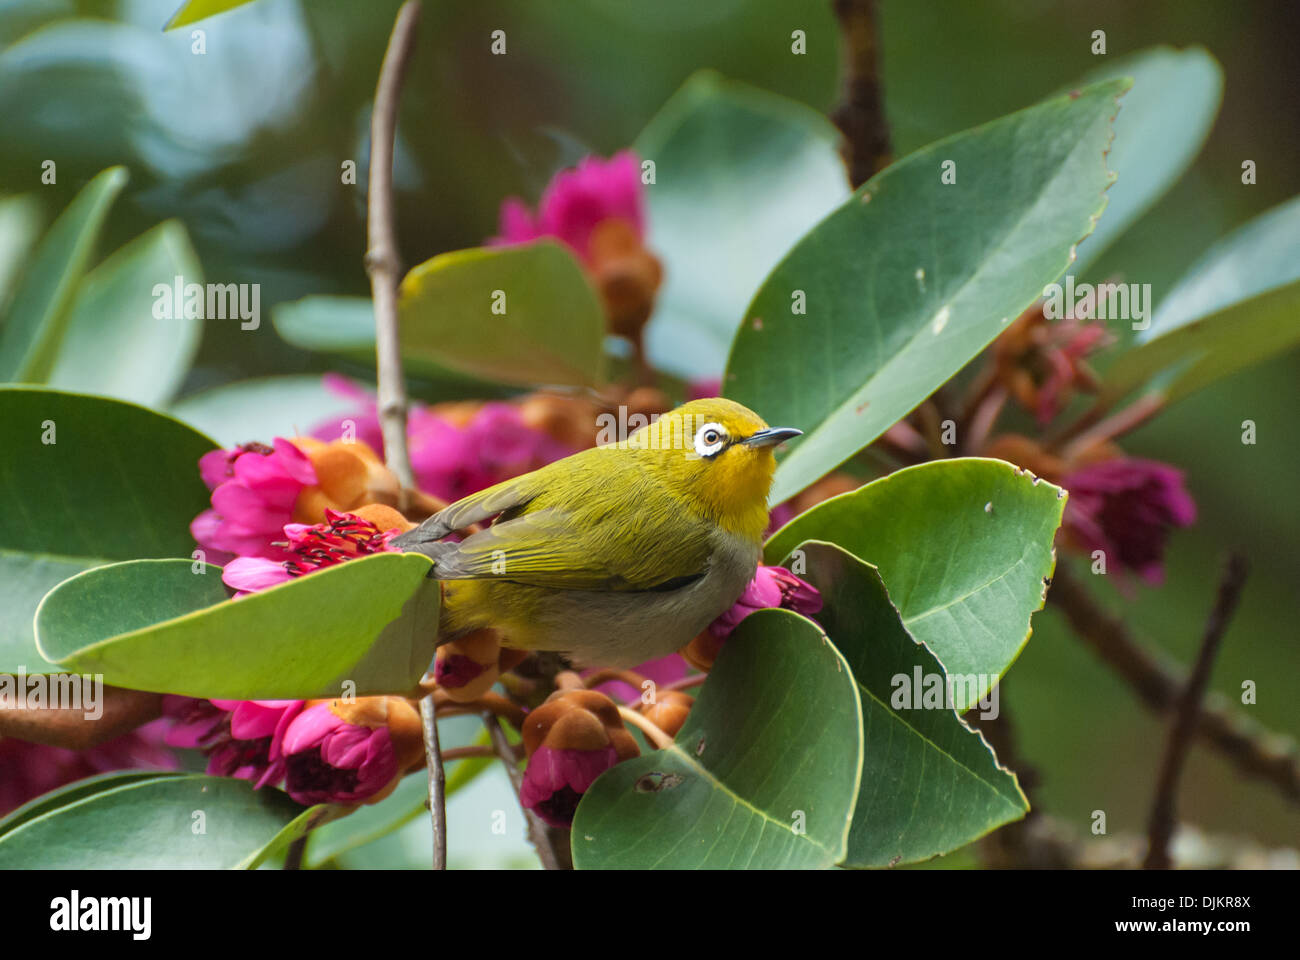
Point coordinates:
[[1130, 418], [1161, 824], [383, 261], [658, 739], [437, 781], [384, 264], [1255, 751], [551, 844], [985, 418], [861, 113], [611, 675]]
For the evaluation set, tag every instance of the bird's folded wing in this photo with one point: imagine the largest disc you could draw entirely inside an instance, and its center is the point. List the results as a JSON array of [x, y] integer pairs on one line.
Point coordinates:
[[551, 548], [475, 508]]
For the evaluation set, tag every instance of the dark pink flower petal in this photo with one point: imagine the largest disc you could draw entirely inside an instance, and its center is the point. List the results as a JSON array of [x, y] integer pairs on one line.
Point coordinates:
[[1126, 508], [555, 780]]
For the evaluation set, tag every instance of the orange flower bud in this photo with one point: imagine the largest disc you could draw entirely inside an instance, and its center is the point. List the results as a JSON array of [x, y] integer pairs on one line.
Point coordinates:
[[703, 650], [669, 711], [567, 420], [626, 274], [384, 517], [578, 720], [348, 475]]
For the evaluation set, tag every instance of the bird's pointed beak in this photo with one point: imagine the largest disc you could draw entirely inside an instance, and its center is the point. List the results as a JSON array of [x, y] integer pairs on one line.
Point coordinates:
[[771, 436]]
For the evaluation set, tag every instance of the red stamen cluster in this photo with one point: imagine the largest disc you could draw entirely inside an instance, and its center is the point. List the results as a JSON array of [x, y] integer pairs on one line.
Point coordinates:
[[344, 536]]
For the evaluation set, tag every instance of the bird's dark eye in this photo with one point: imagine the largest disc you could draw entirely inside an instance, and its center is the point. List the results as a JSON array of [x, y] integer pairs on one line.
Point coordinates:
[[711, 437]]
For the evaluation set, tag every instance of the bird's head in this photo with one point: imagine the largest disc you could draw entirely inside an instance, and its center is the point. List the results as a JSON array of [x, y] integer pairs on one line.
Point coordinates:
[[718, 454]]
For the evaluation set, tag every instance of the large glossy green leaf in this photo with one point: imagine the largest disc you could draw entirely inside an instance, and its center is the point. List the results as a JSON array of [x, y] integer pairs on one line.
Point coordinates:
[[740, 174], [1238, 305], [119, 482], [262, 408], [964, 546], [552, 329], [912, 277], [114, 344], [20, 226], [39, 312], [763, 774], [930, 784], [129, 822], [1162, 123], [159, 625]]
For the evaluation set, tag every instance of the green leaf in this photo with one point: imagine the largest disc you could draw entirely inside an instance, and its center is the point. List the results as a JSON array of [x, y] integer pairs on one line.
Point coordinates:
[[344, 325], [1162, 123], [552, 330], [312, 818], [262, 408], [930, 784], [127, 822], [39, 312], [72, 792], [913, 277], [1235, 307], [157, 625], [114, 345], [118, 482], [964, 546], [740, 174], [20, 226], [773, 745], [195, 10]]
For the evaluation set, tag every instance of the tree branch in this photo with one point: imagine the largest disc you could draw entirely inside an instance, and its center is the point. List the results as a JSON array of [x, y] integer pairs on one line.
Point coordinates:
[[1161, 824], [861, 113], [437, 781], [554, 855], [1255, 751], [384, 264]]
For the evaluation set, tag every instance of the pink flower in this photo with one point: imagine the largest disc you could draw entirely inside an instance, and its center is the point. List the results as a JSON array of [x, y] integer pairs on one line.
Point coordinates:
[[707, 387], [771, 587], [452, 461], [576, 201], [351, 752], [28, 770], [1126, 507], [241, 738], [556, 779], [570, 740], [1070, 341], [254, 488], [309, 547]]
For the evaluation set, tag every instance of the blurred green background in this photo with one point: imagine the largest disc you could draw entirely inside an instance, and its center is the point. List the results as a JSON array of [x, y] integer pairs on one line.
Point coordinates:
[[245, 143]]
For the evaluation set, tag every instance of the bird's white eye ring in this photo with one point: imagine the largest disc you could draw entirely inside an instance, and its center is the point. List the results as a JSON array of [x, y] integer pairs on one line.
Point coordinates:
[[710, 439]]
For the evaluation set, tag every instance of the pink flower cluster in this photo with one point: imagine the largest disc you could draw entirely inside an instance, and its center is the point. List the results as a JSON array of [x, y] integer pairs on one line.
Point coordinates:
[[318, 756], [28, 770], [576, 201], [450, 461], [309, 547], [254, 488]]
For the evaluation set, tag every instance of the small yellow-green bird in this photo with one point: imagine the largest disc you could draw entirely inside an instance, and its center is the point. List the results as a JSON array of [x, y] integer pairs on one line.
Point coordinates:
[[618, 554]]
